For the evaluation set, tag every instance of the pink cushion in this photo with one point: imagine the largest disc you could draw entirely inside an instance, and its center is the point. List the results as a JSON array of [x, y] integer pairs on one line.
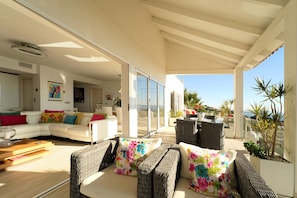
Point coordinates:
[[13, 120], [53, 111], [98, 117]]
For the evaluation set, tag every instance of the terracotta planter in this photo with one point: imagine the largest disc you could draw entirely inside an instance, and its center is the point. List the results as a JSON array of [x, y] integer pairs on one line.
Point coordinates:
[[279, 176]]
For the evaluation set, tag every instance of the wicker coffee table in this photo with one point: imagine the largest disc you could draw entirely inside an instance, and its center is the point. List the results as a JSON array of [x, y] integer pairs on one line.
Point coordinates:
[[23, 151]]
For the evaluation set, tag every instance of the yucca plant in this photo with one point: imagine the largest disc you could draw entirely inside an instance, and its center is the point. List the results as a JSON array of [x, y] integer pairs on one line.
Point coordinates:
[[269, 112]]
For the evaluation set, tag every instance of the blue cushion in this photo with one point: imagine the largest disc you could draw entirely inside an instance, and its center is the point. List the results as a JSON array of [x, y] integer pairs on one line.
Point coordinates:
[[70, 119]]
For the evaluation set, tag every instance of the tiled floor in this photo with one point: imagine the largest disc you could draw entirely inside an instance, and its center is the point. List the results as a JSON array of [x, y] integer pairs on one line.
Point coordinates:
[[168, 135]]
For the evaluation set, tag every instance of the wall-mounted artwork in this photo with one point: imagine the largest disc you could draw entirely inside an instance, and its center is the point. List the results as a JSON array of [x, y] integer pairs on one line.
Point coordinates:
[[108, 96], [54, 91], [79, 95]]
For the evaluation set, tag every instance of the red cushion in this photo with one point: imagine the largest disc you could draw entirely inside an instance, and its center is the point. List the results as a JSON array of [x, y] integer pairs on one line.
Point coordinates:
[[13, 120], [98, 117], [53, 111]]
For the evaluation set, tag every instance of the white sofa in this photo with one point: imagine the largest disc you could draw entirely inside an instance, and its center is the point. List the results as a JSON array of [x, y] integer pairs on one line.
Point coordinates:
[[99, 129]]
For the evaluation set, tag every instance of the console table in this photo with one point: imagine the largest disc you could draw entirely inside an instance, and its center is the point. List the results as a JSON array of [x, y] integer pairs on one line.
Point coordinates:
[[23, 151]]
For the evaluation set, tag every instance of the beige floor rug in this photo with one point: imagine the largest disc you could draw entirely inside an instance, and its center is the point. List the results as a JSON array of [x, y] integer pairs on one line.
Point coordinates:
[[32, 179]]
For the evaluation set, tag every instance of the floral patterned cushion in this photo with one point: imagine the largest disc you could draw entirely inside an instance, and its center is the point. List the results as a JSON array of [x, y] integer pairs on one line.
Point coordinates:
[[209, 171], [52, 117], [131, 152]]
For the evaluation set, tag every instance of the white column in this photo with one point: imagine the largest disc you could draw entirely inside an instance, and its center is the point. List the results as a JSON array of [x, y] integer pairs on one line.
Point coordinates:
[[290, 73], [238, 103], [132, 130]]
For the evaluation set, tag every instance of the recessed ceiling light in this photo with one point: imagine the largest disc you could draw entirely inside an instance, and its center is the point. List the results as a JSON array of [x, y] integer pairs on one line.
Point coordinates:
[[91, 59], [28, 49]]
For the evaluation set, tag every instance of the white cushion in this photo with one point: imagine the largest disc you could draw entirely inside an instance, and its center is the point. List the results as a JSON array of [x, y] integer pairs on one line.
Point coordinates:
[[85, 121], [32, 117], [59, 127], [182, 190], [184, 172], [108, 184], [131, 152]]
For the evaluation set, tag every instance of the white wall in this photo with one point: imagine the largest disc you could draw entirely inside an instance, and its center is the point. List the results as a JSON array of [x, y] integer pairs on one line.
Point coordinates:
[[176, 85], [9, 91], [49, 74], [110, 87]]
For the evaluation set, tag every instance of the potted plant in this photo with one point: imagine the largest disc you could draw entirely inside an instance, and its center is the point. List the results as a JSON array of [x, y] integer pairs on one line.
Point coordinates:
[[173, 116], [117, 102], [269, 117]]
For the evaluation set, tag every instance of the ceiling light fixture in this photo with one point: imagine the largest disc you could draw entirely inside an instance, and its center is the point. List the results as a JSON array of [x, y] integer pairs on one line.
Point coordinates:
[[28, 49]]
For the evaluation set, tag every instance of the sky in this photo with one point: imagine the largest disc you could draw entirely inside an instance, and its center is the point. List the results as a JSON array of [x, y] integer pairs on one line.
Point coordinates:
[[215, 89]]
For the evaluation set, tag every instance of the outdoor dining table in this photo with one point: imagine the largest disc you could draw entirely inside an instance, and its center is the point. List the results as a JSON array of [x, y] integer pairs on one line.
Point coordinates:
[[205, 133]]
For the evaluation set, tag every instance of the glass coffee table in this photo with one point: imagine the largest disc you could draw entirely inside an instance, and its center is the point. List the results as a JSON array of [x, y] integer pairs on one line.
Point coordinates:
[[23, 151], [6, 133]]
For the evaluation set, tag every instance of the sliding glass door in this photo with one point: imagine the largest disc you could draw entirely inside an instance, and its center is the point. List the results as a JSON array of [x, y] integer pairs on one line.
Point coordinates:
[[142, 104], [153, 106], [161, 105], [150, 105]]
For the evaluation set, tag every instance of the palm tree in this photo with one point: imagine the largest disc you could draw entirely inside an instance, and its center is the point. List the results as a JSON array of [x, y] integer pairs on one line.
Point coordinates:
[[191, 99], [226, 110]]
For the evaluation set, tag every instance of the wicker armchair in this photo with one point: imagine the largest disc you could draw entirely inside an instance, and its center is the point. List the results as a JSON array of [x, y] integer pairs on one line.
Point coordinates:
[[168, 183], [96, 161], [186, 131], [212, 135]]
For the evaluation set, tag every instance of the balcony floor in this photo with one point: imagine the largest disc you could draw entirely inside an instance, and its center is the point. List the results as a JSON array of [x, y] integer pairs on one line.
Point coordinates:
[[168, 135]]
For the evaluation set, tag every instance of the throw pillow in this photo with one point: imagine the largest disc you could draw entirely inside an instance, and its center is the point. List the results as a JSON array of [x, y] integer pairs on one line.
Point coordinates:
[[12, 120], [53, 111], [51, 118], [79, 117], [185, 173], [8, 113], [70, 119], [209, 171], [98, 117], [131, 152]]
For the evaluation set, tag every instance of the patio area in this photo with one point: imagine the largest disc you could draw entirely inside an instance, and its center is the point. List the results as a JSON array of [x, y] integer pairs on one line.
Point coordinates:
[[168, 135]]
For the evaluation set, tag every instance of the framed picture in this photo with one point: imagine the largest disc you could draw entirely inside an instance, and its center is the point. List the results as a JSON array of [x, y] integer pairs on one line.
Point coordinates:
[[79, 95], [54, 91], [108, 96]]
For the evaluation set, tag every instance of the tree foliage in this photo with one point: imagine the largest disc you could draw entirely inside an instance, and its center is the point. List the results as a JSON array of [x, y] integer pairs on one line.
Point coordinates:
[[191, 99], [269, 112], [226, 107]]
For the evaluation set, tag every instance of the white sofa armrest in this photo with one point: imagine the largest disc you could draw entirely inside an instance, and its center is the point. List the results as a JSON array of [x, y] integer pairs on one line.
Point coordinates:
[[103, 129]]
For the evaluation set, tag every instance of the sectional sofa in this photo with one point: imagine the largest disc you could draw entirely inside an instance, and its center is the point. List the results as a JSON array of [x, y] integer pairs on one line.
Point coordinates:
[[80, 126]]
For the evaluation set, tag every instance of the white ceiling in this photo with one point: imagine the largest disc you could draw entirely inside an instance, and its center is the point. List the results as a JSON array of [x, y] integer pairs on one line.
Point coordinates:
[[232, 33], [19, 27]]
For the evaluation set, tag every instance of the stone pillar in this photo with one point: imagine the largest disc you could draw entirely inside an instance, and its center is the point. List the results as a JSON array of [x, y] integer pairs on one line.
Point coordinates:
[[290, 73]]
